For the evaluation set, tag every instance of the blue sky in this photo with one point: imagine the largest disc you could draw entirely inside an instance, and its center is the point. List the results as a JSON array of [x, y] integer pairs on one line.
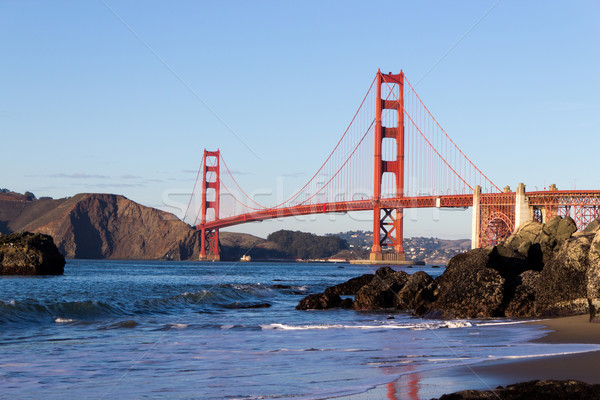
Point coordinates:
[[122, 97]]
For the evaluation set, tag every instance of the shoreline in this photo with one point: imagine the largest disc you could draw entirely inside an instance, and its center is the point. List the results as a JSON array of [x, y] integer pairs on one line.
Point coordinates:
[[491, 374], [563, 330]]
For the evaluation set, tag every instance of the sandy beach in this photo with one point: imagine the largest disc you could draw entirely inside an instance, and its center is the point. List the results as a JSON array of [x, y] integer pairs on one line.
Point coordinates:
[[582, 367], [433, 384]]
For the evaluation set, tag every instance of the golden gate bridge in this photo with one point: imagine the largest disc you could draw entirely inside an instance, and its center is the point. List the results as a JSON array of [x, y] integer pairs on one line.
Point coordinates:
[[393, 155]]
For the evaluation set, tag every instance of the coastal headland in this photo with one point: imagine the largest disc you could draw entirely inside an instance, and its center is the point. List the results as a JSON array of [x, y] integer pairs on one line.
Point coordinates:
[[109, 226]]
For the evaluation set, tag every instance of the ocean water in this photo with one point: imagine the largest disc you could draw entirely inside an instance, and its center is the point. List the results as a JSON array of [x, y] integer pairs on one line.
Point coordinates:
[[139, 329]]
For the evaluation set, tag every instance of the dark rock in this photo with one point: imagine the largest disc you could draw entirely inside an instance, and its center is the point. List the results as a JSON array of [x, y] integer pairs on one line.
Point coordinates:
[[28, 253], [533, 390], [382, 291], [529, 278], [384, 271], [469, 288], [553, 234], [535, 256], [523, 237], [418, 293], [509, 263], [280, 286], [320, 301], [542, 269], [562, 286], [566, 227], [593, 311], [593, 277], [592, 227], [522, 303], [540, 242], [346, 303], [351, 286], [502, 280], [242, 306]]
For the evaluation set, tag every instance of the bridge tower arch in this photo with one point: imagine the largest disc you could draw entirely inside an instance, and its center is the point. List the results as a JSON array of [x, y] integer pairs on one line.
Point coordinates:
[[388, 222]]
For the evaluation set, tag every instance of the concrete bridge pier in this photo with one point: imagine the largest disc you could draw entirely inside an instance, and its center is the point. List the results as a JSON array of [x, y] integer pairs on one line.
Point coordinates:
[[523, 212], [476, 221]]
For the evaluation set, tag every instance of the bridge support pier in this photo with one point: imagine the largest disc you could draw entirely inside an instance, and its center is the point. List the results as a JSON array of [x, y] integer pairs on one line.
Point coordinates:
[[209, 245], [476, 222], [523, 212]]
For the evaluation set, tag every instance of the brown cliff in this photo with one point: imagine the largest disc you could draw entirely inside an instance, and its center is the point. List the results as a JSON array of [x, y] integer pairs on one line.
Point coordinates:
[[102, 226], [97, 226]]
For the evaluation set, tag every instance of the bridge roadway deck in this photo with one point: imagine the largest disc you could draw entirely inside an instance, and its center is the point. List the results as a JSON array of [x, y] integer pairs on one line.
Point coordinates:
[[554, 198], [465, 200]]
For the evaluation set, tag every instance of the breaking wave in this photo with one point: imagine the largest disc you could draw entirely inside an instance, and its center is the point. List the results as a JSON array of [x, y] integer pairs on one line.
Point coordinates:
[[212, 299]]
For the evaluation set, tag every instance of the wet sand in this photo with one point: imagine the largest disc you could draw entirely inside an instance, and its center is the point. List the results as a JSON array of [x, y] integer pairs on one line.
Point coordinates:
[[581, 367], [433, 384]]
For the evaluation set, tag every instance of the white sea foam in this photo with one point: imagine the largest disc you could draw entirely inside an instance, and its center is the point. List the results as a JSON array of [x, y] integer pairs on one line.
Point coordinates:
[[178, 326], [418, 326], [63, 320], [564, 353], [439, 325], [498, 323]]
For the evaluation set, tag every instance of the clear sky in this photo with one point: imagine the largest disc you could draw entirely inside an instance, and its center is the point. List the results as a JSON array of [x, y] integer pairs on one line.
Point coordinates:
[[122, 97]]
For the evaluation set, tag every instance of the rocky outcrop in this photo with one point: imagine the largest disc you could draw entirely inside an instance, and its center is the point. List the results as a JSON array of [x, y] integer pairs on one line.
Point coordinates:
[[382, 291], [540, 270], [471, 287], [418, 293], [522, 303], [352, 286], [550, 389], [27, 253], [330, 298], [562, 286], [593, 275], [323, 301], [540, 242]]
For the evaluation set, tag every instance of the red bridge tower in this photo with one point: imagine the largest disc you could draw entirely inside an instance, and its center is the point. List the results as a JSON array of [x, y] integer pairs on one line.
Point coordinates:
[[387, 222], [209, 241]]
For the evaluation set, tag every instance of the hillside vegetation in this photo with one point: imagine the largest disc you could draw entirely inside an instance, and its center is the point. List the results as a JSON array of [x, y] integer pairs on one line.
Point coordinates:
[[307, 245]]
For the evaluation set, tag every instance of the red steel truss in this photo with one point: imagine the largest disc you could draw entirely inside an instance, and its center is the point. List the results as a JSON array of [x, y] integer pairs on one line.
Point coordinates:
[[496, 217], [582, 205]]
